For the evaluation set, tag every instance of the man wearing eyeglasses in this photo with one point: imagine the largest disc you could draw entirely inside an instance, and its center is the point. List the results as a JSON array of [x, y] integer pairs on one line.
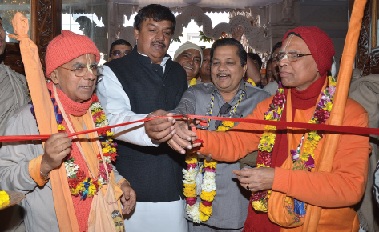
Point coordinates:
[[119, 48], [67, 176]]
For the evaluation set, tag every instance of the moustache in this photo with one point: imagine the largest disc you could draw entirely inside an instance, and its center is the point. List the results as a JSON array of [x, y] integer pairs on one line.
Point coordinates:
[[159, 43]]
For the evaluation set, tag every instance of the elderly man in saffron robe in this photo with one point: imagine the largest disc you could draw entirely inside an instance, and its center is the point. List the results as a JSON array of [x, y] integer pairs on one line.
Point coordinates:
[[69, 183]]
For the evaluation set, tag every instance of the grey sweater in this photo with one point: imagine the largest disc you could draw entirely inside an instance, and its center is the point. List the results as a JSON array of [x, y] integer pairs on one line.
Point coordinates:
[[231, 201]]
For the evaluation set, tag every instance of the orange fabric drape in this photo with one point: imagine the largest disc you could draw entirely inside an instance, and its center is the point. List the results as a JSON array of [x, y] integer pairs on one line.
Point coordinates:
[[44, 114], [337, 114]]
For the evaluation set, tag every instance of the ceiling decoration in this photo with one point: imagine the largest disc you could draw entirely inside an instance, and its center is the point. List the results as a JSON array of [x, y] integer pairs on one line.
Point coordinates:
[[252, 21], [225, 4], [251, 15], [247, 19]]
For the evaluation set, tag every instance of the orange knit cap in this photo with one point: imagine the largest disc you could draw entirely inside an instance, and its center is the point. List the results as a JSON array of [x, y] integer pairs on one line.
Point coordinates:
[[66, 47], [320, 45]]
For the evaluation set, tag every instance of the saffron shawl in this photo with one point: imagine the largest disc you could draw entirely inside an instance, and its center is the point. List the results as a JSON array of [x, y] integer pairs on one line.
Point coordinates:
[[44, 114], [330, 145]]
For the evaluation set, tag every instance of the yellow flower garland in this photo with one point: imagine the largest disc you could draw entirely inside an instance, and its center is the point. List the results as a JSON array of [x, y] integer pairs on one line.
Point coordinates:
[[4, 199], [201, 212], [193, 81], [250, 80]]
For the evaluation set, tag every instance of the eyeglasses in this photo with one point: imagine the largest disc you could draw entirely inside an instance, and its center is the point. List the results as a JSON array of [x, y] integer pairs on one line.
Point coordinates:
[[292, 56], [118, 53], [81, 71]]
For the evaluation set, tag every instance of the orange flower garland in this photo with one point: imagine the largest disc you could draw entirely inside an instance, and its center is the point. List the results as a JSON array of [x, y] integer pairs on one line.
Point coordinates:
[[202, 211], [199, 211]]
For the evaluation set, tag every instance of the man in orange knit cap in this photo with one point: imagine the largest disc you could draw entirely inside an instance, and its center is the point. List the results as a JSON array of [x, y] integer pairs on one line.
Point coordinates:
[[288, 187], [70, 183]]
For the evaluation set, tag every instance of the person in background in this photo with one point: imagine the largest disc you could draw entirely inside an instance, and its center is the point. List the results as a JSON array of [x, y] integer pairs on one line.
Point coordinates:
[[269, 75], [119, 48], [298, 185], [13, 89], [264, 78], [256, 60], [229, 96], [14, 95], [272, 85], [67, 179], [205, 69], [190, 57], [141, 82], [275, 65]]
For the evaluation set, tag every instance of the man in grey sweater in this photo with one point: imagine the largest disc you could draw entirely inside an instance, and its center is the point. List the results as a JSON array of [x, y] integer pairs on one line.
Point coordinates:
[[228, 96]]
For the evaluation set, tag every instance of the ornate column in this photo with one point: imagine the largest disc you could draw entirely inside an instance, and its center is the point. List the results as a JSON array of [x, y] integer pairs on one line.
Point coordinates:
[[46, 17]]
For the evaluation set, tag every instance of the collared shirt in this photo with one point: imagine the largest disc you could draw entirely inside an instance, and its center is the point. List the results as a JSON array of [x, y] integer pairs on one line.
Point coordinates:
[[117, 107], [164, 60]]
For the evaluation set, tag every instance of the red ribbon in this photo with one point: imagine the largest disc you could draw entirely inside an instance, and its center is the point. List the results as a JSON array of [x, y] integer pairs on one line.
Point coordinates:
[[300, 125]]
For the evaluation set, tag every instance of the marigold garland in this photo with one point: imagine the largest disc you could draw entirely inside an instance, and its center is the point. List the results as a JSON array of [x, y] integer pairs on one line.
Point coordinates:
[[302, 160], [193, 82], [199, 211], [202, 211], [250, 80], [80, 184], [4, 199]]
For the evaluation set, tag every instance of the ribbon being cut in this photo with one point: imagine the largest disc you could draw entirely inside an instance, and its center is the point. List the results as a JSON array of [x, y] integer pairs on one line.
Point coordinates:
[[315, 176], [283, 125], [299, 125]]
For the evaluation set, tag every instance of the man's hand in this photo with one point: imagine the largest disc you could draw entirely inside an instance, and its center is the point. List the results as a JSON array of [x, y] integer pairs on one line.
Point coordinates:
[[57, 147], [255, 179], [128, 199], [160, 129], [183, 138]]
